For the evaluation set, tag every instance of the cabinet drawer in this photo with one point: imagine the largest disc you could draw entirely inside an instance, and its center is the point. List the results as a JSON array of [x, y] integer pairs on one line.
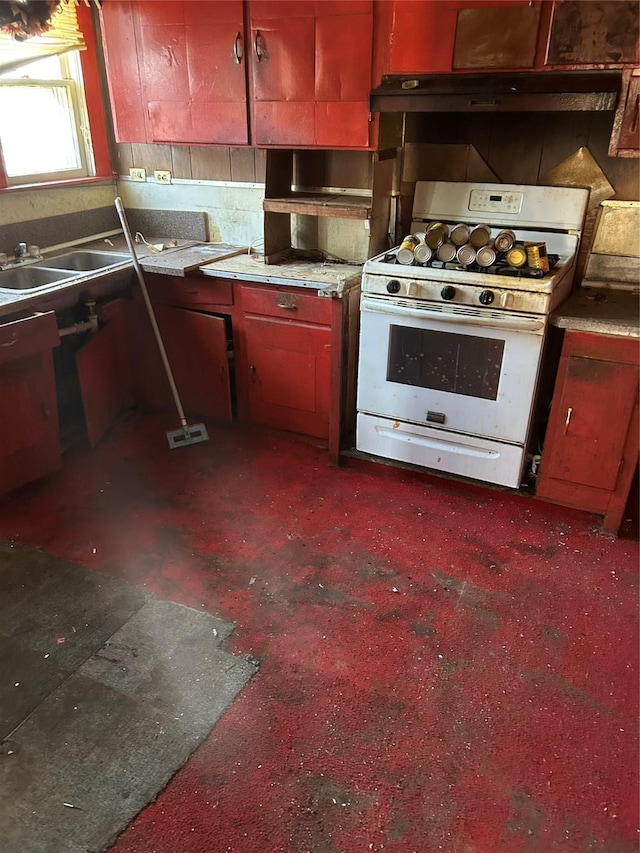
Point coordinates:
[[287, 303], [25, 337], [190, 291]]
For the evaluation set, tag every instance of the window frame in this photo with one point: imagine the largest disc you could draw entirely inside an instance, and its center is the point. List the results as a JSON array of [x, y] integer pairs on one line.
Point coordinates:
[[95, 114]]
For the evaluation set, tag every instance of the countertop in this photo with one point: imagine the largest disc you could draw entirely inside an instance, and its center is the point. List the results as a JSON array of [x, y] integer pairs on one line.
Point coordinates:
[[187, 257], [602, 310], [325, 277]]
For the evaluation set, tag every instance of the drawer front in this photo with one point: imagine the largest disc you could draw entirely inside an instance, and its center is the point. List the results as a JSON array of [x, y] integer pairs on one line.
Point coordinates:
[[30, 335], [287, 303], [190, 291]]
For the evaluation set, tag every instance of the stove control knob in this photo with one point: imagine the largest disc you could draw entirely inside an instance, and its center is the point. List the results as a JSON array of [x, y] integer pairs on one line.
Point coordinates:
[[486, 297], [393, 286], [448, 292]]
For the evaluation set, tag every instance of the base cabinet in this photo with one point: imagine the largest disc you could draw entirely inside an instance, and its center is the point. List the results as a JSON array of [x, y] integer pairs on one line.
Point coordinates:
[[591, 447], [286, 364], [29, 434]]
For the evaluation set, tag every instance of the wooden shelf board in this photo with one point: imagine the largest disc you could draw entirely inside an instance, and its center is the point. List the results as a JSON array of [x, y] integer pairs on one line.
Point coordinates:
[[342, 206]]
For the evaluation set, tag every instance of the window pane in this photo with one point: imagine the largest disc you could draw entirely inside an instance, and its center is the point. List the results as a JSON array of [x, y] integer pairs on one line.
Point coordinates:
[[444, 361], [44, 139], [42, 69]]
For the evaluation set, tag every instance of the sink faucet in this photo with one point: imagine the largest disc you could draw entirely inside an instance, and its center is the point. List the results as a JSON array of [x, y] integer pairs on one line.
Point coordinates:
[[21, 251]]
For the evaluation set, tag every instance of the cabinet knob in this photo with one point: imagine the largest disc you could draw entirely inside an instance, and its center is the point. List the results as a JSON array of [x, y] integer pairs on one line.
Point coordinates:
[[252, 372]]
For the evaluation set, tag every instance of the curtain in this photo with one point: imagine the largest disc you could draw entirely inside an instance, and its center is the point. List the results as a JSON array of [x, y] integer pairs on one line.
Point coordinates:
[[62, 35]]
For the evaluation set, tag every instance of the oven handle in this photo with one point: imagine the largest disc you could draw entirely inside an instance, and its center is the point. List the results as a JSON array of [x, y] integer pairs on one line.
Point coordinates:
[[509, 322]]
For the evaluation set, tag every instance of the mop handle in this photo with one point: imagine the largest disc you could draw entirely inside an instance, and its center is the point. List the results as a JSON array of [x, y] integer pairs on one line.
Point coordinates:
[[150, 311]]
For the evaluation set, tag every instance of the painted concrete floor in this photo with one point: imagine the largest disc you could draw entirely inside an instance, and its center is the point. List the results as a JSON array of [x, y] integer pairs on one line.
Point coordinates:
[[442, 666]]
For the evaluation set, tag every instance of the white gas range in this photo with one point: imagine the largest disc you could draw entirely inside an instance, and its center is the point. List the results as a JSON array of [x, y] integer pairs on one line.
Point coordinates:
[[450, 352]]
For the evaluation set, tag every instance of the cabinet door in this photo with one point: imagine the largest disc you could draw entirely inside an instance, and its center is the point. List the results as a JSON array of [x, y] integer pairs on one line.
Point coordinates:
[[282, 61], [343, 55], [123, 74], [591, 420], [288, 381], [422, 35], [625, 135], [192, 66], [196, 346], [104, 372], [29, 433]]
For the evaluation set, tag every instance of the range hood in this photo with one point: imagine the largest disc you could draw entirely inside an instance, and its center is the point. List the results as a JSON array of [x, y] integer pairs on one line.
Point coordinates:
[[546, 91]]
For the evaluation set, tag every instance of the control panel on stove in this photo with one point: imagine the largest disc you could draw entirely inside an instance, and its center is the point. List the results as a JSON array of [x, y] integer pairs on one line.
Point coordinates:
[[492, 201]]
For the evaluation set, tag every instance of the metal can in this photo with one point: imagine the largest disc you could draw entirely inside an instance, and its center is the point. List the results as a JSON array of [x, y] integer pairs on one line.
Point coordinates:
[[466, 254], [437, 233], [422, 253], [460, 234], [517, 256], [486, 256], [537, 256], [406, 249], [480, 236], [446, 252], [504, 241]]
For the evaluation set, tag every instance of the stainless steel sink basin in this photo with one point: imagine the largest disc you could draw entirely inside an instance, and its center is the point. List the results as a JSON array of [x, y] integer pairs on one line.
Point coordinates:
[[84, 261], [30, 277]]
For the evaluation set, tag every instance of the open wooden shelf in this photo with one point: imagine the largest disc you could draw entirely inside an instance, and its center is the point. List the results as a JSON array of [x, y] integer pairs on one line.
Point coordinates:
[[314, 204]]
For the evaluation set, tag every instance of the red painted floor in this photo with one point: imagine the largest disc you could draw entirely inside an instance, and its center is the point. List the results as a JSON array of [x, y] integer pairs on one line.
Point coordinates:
[[442, 666]]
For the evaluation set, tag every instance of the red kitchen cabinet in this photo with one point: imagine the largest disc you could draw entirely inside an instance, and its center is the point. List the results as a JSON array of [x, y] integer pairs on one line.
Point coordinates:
[[310, 72], [120, 47], [104, 370], [179, 76], [420, 38], [625, 136], [196, 346], [29, 432], [590, 452], [285, 366]]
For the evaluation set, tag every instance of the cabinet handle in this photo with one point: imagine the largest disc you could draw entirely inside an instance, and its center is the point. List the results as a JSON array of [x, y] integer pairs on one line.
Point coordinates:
[[568, 420], [9, 343], [287, 302], [634, 123], [237, 48], [252, 372], [258, 46]]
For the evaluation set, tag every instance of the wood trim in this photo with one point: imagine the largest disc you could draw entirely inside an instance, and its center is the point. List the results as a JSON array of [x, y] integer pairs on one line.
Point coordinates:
[[95, 98]]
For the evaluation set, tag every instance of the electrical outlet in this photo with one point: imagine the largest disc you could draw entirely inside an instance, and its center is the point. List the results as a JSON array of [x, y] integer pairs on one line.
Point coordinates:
[[138, 174], [162, 177]]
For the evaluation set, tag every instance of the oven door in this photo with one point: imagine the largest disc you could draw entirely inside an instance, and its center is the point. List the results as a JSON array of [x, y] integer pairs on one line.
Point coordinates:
[[464, 370]]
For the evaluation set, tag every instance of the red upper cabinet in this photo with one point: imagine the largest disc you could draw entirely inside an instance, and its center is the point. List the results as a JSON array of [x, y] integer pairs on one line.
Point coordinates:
[[192, 68], [433, 37], [310, 72], [176, 71], [186, 72], [123, 72]]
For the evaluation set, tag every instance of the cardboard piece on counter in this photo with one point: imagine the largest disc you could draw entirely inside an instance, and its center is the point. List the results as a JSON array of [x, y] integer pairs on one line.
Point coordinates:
[[580, 169], [618, 229]]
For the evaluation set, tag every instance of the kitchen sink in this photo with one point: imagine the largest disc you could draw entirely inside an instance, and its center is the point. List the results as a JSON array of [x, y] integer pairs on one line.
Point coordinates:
[[84, 261], [30, 277]]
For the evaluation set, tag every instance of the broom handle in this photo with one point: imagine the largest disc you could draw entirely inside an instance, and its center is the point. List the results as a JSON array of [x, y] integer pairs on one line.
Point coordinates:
[[150, 311]]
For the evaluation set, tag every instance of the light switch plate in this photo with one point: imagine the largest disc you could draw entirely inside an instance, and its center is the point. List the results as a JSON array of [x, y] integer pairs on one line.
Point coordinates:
[[138, 174]]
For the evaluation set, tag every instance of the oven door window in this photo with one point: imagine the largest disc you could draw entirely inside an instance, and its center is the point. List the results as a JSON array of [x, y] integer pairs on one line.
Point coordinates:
[[445, 361]]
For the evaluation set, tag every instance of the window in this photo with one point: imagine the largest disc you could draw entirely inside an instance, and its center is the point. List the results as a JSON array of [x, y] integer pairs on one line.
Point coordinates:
[[45, 132]]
